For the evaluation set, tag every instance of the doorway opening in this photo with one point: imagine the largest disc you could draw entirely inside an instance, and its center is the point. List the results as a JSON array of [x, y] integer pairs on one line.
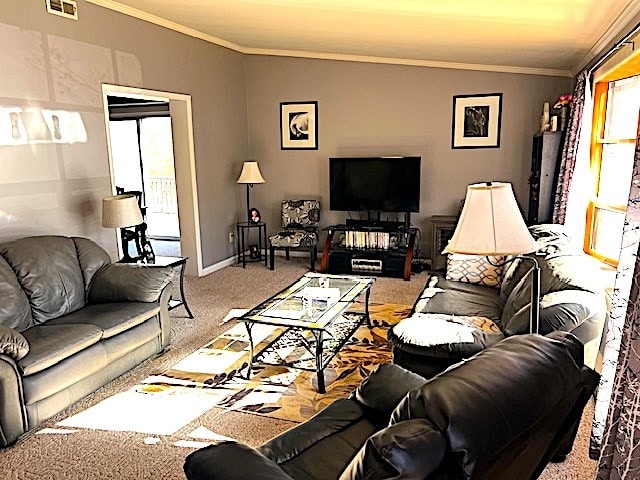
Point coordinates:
[[184, 224], [142, 157]]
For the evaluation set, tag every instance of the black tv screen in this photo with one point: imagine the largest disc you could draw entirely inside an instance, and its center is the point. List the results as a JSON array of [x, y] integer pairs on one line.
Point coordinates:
[[384, 184]]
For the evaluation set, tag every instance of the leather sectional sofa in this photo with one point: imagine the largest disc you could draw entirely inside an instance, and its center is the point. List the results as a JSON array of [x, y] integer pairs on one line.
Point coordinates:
[[70, 322], [501, 415], [571, 299]]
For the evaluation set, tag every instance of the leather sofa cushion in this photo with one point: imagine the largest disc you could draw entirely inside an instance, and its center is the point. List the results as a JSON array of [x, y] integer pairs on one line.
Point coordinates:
[[92, 258], [459, 298], [477, 405], [560, 273], [385, 387], [121, 282], [222, 460], [410, 450], [563, 310], [12, 343], [50, 344], [47, 269], [110, 318], [323, 446], [15, 314]]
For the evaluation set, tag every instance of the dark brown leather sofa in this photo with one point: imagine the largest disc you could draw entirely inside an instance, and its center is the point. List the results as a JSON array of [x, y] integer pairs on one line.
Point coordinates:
[[572, 299], [70, 322], [501, 415]]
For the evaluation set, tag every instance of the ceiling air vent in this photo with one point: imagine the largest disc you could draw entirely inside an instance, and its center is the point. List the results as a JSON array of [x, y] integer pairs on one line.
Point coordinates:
[[64, 8]]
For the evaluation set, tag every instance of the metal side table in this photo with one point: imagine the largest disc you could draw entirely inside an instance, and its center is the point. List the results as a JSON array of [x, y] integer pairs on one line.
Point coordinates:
[[175, 262], [242, 242]]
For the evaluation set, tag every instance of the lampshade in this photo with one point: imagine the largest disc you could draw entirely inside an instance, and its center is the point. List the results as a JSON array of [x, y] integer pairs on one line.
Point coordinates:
[[120, 211], [250, 173], [491, 223]]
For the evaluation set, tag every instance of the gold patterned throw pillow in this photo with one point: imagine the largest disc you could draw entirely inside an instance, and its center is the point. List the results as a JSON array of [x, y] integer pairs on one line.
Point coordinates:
[[479, 270]]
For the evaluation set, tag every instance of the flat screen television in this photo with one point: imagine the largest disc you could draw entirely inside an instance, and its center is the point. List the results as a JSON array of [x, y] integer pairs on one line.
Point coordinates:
[[383, 184]]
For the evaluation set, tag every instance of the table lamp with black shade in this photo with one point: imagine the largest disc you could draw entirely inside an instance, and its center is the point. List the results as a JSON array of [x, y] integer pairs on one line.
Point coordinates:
[[491, 224], [122, 211], [250, 175]]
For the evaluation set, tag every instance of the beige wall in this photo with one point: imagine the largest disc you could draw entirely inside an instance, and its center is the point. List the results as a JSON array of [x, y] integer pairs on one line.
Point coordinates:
[[54, 64], [372, 109]]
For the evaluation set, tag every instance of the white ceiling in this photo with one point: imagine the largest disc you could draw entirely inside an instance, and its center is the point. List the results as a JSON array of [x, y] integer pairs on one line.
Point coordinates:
[[552, 37]]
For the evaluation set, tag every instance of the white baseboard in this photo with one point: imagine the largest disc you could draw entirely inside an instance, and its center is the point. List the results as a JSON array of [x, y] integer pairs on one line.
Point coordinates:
[[218, 266], [234, 259]]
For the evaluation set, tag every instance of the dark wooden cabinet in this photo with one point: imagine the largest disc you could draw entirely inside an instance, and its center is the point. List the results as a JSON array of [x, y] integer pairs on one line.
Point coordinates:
[[443, 228], [543, 178]]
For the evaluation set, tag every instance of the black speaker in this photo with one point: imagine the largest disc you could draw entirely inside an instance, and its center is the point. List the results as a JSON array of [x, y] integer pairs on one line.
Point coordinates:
[[339, 262]]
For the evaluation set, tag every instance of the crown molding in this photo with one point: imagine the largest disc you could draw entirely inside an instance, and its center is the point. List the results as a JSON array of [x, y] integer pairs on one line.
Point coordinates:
[[162, 22], [410, 62], [134, 12], [631, 11]]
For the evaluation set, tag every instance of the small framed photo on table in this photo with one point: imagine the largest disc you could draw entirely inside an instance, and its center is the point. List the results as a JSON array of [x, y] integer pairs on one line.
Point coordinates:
[[476, 121], [299, 125]]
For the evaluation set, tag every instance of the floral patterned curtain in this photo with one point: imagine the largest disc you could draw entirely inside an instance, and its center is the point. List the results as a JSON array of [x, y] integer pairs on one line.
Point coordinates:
[[570, 149], [616, 428]]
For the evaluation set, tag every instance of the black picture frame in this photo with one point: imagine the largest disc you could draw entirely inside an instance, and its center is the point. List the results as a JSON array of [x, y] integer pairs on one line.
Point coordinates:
[[476, 121], [299, 125], [254, 215]]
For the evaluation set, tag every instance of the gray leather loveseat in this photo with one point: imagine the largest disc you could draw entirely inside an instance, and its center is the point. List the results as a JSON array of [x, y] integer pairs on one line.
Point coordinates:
[[70, 322]]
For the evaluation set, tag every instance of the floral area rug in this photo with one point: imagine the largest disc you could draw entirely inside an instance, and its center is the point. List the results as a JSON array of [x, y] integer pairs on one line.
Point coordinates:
[[214, 376], [278, 391]]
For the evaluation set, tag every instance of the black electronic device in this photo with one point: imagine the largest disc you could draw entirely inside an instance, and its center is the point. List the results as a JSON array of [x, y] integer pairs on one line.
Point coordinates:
[[374, 184]]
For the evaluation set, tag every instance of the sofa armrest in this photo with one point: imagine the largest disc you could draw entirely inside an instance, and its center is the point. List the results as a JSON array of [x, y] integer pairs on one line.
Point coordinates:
[[334, 419], [122, 282], [231, 461], [12, 343], [13, 417], [385, 387], [410, 449]]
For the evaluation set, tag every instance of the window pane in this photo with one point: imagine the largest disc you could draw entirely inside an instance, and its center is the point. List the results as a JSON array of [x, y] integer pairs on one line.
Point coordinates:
[[615, 173], [607, 229], [125, 154], [622, 108]]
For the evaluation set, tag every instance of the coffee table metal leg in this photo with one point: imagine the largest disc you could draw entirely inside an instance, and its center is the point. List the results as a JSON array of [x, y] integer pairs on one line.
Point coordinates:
[[319, 367], [183, 298], [248, 326], [366, 309]]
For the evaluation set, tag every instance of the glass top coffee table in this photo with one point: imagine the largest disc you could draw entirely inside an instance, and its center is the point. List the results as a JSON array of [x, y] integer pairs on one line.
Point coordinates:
[[314, 312]]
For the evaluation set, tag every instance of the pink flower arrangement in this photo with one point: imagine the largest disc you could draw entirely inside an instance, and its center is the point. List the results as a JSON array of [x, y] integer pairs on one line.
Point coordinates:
[[563, 100]]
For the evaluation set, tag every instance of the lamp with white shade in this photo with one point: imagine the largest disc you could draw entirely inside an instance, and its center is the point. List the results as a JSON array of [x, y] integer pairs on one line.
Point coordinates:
[[122, 211], [491, 224], [250, 175]]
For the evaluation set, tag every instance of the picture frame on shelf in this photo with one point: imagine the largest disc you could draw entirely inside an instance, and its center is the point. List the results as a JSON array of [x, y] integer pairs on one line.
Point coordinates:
[[476, 121], [299, 125]]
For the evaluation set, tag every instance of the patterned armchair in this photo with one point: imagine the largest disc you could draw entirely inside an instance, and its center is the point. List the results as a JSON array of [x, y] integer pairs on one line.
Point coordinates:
[[300, 223]]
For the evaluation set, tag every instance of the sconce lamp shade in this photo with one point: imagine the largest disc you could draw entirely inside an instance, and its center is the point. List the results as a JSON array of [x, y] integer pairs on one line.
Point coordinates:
[[250, 173], [491, 223], [119, 211]]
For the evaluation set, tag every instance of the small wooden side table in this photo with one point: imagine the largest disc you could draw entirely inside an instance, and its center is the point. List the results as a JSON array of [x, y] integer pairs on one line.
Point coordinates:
[[175, 262]]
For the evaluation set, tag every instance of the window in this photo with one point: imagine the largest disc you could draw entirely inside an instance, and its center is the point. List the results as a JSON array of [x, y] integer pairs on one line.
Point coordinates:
[[615, 126]]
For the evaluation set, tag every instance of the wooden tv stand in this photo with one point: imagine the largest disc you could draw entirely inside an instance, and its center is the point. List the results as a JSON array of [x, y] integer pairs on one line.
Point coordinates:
[[368, 251]]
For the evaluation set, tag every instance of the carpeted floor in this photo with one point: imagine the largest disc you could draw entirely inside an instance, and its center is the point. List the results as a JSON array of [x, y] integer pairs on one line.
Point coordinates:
[[53, 453]]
